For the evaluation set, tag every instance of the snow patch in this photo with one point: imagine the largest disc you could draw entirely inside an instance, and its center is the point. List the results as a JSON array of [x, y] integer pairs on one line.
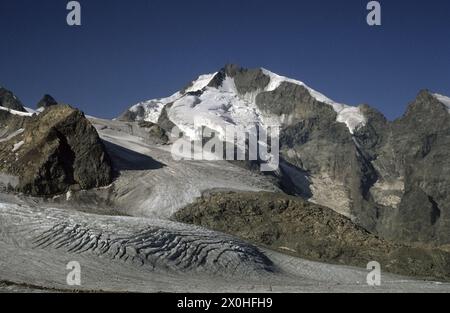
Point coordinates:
[[444, 100], [16, 112], [18, 145], [12, 135], [29, 110]]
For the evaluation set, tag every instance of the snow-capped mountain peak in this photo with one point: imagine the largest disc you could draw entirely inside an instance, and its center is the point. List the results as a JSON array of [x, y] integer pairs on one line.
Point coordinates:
[[221, 103]]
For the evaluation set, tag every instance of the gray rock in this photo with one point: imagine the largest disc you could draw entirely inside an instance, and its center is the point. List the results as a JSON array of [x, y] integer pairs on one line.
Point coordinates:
[[246, 80], [132, 116], [56, 150], [293, 226], [155, 132], [46, 102], [10, 101], [414, 150]]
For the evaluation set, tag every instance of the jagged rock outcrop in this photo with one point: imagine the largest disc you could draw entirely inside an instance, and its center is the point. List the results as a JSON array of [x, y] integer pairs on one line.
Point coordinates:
[[51, 152], [10, 101], [46, 101]]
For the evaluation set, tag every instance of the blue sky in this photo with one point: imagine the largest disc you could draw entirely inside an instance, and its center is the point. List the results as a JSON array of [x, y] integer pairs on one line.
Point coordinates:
[[129, 51]]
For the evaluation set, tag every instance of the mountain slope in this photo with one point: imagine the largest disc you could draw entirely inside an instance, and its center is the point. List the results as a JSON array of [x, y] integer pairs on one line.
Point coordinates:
[[239, 97], [384, 175]]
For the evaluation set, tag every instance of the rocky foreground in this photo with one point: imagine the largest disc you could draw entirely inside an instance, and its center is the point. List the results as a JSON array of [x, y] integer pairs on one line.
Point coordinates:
[[306, 230]]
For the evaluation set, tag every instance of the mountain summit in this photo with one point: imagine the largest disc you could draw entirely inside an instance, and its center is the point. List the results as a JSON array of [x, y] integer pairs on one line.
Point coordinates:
[[389, 177], [235, 95], [9, 101]]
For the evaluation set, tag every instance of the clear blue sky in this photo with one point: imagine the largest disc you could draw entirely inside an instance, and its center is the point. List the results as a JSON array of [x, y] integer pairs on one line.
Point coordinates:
[[129, 51]]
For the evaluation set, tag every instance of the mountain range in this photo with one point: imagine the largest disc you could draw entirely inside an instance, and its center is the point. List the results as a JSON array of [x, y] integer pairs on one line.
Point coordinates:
[[352, 187]]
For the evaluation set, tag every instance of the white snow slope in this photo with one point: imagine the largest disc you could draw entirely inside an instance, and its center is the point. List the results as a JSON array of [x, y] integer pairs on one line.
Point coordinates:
[[153, 108]]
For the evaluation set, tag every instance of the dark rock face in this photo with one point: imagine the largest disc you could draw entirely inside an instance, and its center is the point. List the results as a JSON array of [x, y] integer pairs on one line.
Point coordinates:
[[294, 226], [164, 121], [131, 116], [47, 101], [392, 178], [246, 80], [292, 99], [314, 143], [414, 152], [56, 150], [155, 132], [10, 101]]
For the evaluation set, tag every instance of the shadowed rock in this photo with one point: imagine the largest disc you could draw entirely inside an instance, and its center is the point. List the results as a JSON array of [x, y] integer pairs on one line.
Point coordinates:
[[10, 101], [47, 101], [55, 150]]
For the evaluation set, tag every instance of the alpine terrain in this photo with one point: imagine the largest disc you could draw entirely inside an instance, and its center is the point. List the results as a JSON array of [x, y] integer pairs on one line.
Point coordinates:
[[352, 187]]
